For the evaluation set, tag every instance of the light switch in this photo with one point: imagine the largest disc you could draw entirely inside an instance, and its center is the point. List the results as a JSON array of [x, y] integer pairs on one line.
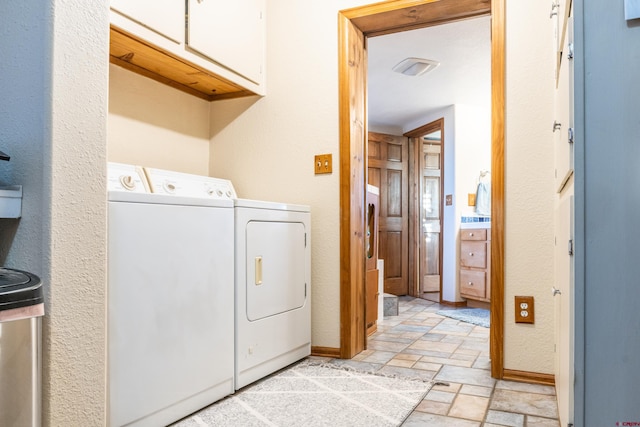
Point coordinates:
[[323, 164]]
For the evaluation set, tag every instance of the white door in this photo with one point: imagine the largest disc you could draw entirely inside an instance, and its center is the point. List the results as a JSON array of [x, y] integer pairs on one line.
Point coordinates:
[[231, 33], [563, 300], [563, 125], [276, 277], [165, 17]]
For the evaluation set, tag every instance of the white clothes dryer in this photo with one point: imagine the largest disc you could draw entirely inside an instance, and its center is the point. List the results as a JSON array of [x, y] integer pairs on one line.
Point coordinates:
[[170, 296], [273, 293]]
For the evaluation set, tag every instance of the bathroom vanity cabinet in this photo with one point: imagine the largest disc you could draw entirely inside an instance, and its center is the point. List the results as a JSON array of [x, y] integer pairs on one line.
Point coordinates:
[[475, 264]]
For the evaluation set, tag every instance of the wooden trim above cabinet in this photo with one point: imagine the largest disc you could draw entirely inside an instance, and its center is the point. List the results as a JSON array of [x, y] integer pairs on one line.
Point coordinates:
[[134, 54]]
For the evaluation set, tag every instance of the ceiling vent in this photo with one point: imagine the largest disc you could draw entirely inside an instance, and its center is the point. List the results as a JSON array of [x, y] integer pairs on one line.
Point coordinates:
[[415, 66]]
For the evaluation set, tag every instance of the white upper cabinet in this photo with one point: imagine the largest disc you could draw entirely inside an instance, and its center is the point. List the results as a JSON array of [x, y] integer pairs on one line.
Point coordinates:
[[212, 49], [230, 33], [165, 17]]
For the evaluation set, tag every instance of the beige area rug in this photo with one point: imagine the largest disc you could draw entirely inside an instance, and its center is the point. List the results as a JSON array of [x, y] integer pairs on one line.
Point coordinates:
[[316, 394]]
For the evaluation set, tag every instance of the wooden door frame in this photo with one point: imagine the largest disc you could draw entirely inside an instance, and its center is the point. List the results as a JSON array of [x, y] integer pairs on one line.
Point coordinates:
[[354, 25], [415, 182]]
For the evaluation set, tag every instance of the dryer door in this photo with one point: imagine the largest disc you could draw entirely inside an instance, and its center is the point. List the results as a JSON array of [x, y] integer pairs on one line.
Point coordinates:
[[275, 280]]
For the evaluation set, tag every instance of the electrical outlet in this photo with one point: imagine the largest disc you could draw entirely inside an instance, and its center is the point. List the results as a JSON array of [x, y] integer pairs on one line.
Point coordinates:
[[323, 163], [471, 199], [524, 309]]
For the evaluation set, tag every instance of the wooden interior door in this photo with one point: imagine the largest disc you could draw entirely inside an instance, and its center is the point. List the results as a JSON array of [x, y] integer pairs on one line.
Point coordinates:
[[388, 170], [430, 200]]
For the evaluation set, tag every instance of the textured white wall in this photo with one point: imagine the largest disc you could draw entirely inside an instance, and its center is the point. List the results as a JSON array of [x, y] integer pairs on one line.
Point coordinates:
[[53, 115], [266, 146], [75, 230], [529, 174], [154, 125]]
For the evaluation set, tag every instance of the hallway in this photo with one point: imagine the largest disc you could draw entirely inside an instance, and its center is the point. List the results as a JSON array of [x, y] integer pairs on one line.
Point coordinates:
[[420, 343]]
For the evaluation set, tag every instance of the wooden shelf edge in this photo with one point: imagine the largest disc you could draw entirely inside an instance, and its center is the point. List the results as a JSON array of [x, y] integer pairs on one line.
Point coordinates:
[[168, 69]]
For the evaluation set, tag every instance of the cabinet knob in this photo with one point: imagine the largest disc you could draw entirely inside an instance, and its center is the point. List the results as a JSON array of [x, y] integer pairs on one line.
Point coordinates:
[[470, 283], [471, 234], [470, 253]]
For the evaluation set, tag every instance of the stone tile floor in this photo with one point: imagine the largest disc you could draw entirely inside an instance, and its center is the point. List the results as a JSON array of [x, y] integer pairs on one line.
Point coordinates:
[[418, 342]]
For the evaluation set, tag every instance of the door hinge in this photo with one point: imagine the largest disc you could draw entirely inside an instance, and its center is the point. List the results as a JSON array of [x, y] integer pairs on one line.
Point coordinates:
[[570, 53], [570, 247], [571, 135], [555, 6]]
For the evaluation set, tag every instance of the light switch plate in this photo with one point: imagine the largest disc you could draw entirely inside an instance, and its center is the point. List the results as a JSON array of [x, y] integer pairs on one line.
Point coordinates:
[[323, 164], [524, 309]]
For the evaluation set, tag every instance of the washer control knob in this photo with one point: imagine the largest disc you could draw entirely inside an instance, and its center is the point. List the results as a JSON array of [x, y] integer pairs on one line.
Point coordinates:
[[127, 182], [219, 192], [169, 187], [228, 193]]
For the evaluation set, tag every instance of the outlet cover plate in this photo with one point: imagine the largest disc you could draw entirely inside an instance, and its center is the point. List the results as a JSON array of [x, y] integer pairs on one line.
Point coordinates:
[[524, 309]]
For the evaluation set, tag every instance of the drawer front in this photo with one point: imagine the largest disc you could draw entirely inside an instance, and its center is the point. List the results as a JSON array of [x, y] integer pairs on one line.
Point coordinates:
[[473, 254], [474, 234], [473, 283]]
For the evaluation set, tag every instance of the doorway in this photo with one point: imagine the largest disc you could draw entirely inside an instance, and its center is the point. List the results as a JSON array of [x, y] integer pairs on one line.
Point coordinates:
[[427, 146], [408, 172], [355, 25]]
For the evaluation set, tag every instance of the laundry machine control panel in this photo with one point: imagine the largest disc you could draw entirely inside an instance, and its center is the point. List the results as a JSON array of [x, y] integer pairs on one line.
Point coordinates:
[[182, 184], [128, 178]]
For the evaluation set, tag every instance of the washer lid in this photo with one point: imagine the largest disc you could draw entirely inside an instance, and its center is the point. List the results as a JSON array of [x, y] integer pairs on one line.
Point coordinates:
[[19, 289]]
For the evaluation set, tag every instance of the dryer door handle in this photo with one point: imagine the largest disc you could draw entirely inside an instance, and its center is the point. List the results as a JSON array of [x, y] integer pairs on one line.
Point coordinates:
[[258, 270]]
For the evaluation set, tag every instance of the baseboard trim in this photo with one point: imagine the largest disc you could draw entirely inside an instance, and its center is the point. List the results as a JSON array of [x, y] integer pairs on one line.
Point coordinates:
[[529, 377], [454, 303], [325, 351]]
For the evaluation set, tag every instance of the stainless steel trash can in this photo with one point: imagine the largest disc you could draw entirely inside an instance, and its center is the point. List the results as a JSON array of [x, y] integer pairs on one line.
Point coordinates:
[[21, 311]]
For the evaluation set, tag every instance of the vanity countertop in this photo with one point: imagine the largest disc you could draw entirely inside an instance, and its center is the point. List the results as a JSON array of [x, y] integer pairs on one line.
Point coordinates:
[[468, 225], [474, 221]]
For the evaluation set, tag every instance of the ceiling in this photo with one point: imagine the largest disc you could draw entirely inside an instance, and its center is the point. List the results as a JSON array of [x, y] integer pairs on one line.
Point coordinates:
[[463, 49]]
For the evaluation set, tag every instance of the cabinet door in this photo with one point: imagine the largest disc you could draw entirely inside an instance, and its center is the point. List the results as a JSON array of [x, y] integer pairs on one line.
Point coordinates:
[[563, 300], [563, 127], [165, 17], [230, 33]]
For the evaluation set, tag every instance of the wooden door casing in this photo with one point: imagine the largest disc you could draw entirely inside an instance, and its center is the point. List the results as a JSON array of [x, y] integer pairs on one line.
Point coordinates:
[[388, 169], [354, 26]]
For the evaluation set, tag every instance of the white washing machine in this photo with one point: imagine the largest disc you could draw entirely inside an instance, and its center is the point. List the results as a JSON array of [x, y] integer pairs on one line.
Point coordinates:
[[170, 296], [273, 293]]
